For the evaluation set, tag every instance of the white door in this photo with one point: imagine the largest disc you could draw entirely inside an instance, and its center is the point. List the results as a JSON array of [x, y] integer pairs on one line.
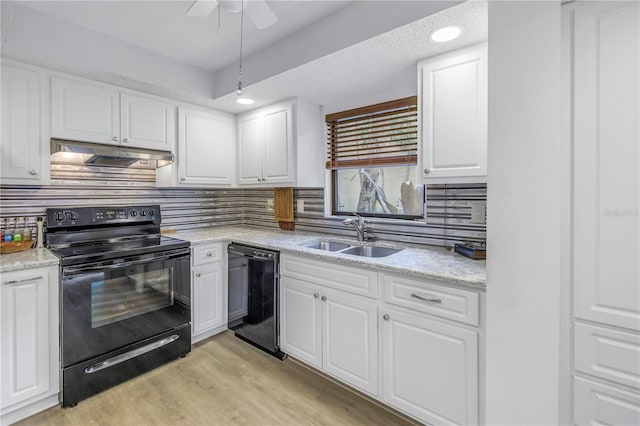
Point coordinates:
[[300, 321], [430, 368], [147, 123], [453, 116], [278, 145], [84, 112], [205, 148], [208, 298], [21, 154], [25, 347], [607, 163], [350, 339], [250, 149]]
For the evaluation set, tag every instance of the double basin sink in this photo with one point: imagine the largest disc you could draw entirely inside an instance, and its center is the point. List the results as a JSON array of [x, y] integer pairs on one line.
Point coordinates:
[[354, 250]]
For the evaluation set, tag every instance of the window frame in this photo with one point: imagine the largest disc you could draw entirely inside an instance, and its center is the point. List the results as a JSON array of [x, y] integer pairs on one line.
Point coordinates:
[[398, 105]]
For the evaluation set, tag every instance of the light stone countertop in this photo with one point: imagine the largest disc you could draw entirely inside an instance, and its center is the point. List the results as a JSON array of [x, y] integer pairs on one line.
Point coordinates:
[[415, 260], [32, 258]]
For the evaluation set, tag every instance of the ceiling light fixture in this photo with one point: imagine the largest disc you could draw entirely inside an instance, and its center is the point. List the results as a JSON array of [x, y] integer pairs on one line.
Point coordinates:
[[445, 34], [241, 99]]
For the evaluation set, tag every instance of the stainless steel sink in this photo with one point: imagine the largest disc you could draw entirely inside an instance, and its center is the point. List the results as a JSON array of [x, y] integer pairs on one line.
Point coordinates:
[[340, 247], [371, 251], [327, 245]]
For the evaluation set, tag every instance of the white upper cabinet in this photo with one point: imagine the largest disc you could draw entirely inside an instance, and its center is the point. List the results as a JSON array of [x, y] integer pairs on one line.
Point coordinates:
[[84, 112], [265, 146], [206, 150], [22, 153], [607, 164], [147, 123], [102, 114], [452, 119], [282, 144]]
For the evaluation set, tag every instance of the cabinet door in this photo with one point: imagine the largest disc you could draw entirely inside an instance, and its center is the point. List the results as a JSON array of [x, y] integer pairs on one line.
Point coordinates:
[[208, 298], [300, 321], [607, 164], [84, 112], [205, 148], [147, 123], [21, 153], [250, 149], [278, 145], [430, 368], [599, 404], [350, 339], [453, 114], [25, 336]]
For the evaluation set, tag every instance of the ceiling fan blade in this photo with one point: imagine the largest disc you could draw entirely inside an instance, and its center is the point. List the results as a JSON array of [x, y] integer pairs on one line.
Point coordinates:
[[202, 8], [261, 14]]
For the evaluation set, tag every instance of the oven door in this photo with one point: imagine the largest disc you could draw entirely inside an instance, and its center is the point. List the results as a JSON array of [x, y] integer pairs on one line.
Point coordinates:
[[111, 304]]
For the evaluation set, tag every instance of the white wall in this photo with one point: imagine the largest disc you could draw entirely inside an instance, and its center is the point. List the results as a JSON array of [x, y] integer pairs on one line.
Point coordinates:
[[40, 39], [524, 214]]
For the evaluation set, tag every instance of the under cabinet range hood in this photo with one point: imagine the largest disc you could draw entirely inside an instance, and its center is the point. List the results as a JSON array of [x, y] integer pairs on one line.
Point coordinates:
[[64, 151]]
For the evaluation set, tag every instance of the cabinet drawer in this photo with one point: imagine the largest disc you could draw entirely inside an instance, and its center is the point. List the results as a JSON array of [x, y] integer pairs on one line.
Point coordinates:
[[599, 404], [353, 280], [609, 354], [206, 253], [446, 302]]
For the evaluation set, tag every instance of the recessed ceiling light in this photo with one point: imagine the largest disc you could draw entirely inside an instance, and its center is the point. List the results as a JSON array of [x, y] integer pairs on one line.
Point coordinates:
[[245, 101], [446, 34]]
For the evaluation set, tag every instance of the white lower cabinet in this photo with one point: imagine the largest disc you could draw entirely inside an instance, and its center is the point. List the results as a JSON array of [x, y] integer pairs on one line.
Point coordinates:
[[332, 330], [208, 292], [430, 368], [419, 355], [597, 403], [30, 343]]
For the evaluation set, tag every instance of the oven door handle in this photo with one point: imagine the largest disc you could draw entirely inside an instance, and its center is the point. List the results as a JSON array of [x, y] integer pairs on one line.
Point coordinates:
[[83, 269]]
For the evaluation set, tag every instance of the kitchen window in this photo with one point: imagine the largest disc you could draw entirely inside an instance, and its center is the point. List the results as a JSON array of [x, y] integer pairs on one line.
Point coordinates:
[[372, 157]]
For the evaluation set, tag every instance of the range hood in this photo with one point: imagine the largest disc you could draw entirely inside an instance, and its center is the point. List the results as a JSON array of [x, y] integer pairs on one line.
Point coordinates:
[[107, 155]]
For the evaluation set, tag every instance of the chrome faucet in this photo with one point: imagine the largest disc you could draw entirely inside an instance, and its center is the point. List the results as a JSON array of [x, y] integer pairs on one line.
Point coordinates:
[[360, 225]]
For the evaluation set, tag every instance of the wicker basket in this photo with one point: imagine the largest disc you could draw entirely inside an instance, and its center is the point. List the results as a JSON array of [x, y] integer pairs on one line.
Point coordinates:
[[15, 246]]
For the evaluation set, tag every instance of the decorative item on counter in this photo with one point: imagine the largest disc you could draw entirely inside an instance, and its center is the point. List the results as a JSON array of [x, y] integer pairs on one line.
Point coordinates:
[[8, 233], [17, 232], [283, 208], [39, 223], [26, 232], [471, 251], [15, 246]]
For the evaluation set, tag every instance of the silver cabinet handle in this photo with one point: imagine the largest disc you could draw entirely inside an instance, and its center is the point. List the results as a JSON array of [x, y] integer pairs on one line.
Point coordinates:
[[26, 280], [197, 274], [258, 179], [386, 317], [33, 172], [324, 298], [209, 254], [125, 140], [424, 299], [183, 179], [427, 171], [316, 295], [115, 139]]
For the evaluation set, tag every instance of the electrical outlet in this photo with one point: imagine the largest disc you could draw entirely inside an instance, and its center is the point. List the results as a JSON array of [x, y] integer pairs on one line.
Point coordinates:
[[478, 212], [300, 206], [270, 204]]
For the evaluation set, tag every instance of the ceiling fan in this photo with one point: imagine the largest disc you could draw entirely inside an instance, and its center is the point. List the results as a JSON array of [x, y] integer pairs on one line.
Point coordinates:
[[257, 10]]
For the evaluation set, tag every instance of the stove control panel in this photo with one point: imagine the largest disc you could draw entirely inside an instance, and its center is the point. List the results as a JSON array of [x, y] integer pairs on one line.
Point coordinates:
[[87, 216]]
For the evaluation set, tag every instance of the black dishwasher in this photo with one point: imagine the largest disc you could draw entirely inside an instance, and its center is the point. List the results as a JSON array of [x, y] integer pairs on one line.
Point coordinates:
[[253, 296]]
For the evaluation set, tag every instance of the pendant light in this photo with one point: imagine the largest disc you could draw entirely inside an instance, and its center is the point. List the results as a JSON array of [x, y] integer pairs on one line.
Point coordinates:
[[241, 99]]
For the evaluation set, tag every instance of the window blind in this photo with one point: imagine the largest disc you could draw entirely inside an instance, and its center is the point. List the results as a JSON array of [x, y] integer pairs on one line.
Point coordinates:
[[376, 135]]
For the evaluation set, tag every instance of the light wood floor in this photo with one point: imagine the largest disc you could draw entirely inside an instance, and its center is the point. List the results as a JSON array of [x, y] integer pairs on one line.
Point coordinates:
[[224, 381]]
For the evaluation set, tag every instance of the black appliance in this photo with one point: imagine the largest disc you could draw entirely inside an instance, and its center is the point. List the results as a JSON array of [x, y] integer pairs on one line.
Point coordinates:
[[253, 296], [124, 293]]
